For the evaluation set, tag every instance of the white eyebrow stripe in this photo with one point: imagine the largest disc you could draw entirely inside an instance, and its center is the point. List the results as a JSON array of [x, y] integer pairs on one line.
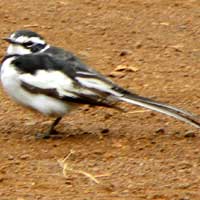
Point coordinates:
[[23, 39], [37, 40]]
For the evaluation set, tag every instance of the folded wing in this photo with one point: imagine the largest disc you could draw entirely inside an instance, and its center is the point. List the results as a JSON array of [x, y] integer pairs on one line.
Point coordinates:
[[66, 80]]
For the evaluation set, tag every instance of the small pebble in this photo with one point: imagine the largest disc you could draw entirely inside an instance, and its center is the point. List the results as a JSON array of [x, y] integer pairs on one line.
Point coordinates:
[[10, 157], [24, 157], [124, 53], [138, 45], [160, 130], [184, 198], [1, 179], [105, 130], [190, 134]]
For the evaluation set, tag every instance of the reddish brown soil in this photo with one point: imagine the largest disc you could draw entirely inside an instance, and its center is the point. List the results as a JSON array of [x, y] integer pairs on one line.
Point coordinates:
[[134, 155]]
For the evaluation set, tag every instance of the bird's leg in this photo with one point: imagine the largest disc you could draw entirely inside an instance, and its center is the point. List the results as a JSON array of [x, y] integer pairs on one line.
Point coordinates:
[[51, 130]]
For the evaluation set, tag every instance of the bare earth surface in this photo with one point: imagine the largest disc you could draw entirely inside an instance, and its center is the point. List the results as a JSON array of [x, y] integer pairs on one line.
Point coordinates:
[[134, 155]]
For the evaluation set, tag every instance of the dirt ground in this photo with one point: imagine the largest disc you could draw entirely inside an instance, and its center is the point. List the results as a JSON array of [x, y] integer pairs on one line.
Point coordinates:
[[134, 155]]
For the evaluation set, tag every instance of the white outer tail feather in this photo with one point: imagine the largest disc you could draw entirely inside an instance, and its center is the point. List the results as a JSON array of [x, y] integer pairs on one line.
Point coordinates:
[[188, 120]]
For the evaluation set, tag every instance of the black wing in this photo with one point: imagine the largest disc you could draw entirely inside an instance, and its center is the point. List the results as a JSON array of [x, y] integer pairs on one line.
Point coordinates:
[[42, 73]]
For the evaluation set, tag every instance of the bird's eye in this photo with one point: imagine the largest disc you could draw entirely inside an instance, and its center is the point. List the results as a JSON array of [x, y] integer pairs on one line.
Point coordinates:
[[28, 44]]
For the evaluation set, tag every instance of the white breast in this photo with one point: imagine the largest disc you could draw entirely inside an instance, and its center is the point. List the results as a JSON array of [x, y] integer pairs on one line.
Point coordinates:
[[42, 103]]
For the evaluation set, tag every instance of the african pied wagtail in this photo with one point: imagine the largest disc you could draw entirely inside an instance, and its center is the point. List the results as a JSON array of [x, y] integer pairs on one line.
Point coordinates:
[[54, 81]]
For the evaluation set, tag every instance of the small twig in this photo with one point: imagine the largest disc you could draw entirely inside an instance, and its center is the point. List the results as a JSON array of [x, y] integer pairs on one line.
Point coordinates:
[[139, 111], [65, 166]]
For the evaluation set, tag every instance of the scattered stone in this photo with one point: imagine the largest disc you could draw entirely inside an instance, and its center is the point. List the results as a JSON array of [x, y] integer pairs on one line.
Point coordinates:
[[190, 134], [164, 23], [185, 165], [117, 74], [84, 54], [120, 69], [25, 157], [138, 45], [1, 179], [178, 47], [184, 198], [107, 116], [125, 52], [132, 69], [10, 157], [160, 131], [105, 130], [184, 185], [108, 187], [30, 25], [31, 123], [62, 3], [33, 183]]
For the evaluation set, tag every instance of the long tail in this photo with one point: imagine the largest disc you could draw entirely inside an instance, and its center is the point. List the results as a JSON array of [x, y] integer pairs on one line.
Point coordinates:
[[104, 89], [177, 113]]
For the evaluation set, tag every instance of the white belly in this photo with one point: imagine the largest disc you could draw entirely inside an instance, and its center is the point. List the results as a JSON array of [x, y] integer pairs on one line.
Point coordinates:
[[42, 103]]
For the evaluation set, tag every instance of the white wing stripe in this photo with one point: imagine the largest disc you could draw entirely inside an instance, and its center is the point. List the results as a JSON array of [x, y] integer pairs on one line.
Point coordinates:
[[54, 80], [98, 85]]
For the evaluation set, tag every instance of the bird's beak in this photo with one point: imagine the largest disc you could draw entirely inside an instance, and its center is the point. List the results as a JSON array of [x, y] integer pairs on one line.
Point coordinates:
[[10, 40], [7, 39]]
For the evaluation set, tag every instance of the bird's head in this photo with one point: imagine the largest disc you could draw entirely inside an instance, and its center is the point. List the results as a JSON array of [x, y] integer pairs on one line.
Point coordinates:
[[25, 42]]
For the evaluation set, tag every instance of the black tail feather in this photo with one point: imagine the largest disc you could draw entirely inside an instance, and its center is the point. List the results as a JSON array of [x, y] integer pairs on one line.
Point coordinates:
[[172, 111]]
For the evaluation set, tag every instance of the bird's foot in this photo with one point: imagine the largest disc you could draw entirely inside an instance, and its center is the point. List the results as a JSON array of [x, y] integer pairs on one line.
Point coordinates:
[[48, 135]]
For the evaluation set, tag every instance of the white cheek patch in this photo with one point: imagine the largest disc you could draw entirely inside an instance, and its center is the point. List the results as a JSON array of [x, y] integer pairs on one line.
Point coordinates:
[[17, 49]]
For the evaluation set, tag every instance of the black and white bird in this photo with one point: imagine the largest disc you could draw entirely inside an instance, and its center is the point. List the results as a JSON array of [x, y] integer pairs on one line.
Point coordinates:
[[53, 81]]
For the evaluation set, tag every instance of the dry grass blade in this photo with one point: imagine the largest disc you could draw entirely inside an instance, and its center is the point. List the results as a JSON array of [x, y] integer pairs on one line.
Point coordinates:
[[66, 167], [139, 111]]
